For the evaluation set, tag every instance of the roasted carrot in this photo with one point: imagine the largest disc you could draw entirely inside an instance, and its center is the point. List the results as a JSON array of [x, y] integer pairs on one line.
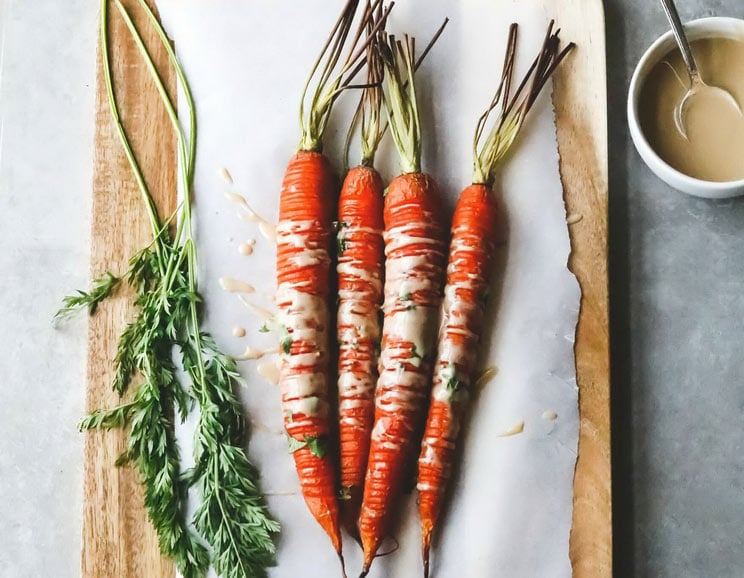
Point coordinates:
[[415, 245], [477, 228], [304, 242], [360, 278], [360, 275]]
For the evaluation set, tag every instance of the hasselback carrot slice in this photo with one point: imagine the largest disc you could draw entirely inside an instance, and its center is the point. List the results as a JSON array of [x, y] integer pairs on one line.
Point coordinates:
[[415, 244], [477, 228], [304, 244], [360, 276]]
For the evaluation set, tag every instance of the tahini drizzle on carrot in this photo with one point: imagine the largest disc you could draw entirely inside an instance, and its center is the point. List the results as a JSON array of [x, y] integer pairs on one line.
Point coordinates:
[[477, 228], [415, 247], [360, 276], [304, 242]]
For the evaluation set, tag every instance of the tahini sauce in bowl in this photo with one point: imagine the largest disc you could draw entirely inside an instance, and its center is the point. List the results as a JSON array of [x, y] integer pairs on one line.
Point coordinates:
[[714, 147]]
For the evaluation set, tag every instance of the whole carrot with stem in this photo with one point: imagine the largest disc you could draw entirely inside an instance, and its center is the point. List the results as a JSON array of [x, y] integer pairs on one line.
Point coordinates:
[[476, 231], [304, 239], [360, 276], [415, 245]]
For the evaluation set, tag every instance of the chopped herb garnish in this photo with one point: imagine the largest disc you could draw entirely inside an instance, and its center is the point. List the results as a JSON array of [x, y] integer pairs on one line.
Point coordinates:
[[344, 494], [316, 445], [451, 380], [264, 328], [286, 343], [295, 444]]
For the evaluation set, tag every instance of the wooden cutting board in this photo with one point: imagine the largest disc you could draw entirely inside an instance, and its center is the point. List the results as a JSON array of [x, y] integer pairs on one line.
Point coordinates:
[[118, 540]]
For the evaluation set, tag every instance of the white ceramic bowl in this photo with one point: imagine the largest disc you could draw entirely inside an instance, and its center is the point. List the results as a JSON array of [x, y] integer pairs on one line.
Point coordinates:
[[703, 28]]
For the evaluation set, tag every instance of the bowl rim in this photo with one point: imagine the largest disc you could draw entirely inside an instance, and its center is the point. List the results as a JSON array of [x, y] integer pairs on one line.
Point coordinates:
[[709, 26]]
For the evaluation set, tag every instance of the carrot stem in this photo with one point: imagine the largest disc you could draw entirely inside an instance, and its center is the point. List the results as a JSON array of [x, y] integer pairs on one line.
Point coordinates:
[[513, 107]]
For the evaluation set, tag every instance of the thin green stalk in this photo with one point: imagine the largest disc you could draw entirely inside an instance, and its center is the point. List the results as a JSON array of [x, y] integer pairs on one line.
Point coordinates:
[[144, 190], [513, 107], [232, 516]]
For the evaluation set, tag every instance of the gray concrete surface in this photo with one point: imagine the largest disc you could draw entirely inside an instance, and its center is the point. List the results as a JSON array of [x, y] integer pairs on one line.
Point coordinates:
[[676, 277], [47, 66], [677, 266]]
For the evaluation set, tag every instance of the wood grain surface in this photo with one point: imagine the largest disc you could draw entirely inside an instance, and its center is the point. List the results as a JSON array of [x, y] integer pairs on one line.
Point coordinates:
[[118, 541], [580, 100]]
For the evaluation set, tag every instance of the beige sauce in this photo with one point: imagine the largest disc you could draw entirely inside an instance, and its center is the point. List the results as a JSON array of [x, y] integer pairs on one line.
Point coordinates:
[[252, 353], [226, 176], [235, 286], [485, 378], [269, 371], [238, 331], [259, 312], [247, 247], [714, 149], [267, 229], [516, 429], [549, 415]]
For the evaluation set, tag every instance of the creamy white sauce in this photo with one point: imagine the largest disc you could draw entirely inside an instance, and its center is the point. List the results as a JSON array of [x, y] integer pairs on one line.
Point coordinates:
[[549, 415], [238, 331], [485, 378], [403, 384], [247, 247], [247, 213], [302, 317], [236, 286], [269, 371], [253, 353], [516, 429], [295, 233], [310, 257], [226, 176], [256, 310], [353, 324]]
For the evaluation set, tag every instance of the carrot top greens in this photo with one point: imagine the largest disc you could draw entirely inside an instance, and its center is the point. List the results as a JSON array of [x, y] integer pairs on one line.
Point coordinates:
[[399, 59], [232, 517], [514, 108], [401, 104], [367, 114], [329, 77]]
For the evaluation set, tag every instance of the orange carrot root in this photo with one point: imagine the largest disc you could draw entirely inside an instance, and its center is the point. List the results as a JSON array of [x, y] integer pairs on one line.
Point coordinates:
[[360, 273], [415, 250], [477, 228], [303, 262]]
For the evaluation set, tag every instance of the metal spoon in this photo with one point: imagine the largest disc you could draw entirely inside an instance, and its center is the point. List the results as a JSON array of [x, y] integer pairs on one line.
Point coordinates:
[[697, 85]]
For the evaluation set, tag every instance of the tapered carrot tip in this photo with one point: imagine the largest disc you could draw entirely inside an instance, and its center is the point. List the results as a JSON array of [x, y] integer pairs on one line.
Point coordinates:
[[343, 564], [364, 573], [426, 546]]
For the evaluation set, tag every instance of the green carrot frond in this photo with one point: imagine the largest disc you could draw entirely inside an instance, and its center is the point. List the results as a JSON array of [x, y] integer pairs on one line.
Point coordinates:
[[232, 516], [101, 288]]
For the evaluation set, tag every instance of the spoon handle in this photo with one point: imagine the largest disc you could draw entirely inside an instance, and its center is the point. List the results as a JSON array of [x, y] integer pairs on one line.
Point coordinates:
[[679, 33]]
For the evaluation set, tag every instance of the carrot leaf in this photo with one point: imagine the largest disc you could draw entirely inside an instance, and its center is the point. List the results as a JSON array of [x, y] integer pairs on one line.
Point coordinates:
[[101, 288], [316, 445]]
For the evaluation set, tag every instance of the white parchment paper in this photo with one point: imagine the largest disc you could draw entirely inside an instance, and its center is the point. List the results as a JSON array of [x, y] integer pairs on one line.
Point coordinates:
[[247, 61]]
